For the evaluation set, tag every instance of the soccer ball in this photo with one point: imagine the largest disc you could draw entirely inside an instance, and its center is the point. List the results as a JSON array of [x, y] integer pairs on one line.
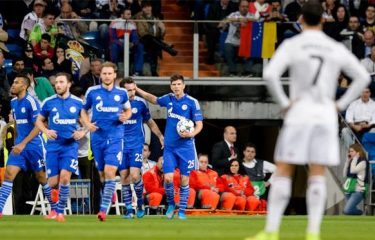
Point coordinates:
[[185, 125]]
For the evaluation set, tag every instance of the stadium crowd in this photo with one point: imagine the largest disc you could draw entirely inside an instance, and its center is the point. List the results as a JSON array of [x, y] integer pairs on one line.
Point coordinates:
[[36, 42]]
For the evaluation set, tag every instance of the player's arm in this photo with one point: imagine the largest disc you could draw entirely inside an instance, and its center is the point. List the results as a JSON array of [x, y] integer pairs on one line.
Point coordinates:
[[85, 120], [148, 96], [17, 149], [155, 129], [197, 129], [126, 114], [51, 134]]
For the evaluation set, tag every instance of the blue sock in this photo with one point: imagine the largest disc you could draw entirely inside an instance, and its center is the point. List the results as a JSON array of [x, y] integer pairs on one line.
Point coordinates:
[[169, 191], [109, 189], [5, 191], [47, 192], [63, 197], [127, 195], [184, 195], [138, 187]]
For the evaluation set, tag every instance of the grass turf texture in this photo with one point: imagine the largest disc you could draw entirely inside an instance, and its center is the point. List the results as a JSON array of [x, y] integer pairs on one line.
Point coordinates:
[[195, 227]]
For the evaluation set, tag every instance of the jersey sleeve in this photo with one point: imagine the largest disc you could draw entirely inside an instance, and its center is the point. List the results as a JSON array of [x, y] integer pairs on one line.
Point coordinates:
[[196, 111], [126, 103], [146, 112], [163, 100], [34, 109], [273, 72], [87, 102], [44, 109]]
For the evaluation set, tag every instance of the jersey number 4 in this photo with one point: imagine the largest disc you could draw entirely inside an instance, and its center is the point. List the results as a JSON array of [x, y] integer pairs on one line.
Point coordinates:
[[321, 61]]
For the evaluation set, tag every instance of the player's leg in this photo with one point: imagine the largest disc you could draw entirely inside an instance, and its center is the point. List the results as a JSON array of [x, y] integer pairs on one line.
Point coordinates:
[[240, 203], [11, 172], [227, 200], [64, 190], [204, 196], [154, 200], [215, 198], [169, 165], [125, 185], [136, 177], [252, 203], [191, 198]]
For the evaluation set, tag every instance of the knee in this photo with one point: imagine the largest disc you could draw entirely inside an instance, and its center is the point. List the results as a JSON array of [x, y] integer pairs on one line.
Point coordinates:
[[168, 178], [135, 176]]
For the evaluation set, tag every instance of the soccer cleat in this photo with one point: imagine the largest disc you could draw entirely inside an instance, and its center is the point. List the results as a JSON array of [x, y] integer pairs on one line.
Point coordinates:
[[181, 216], [102, 216], [129, 212], [140, 213], [170, 211], [55, 195], [312, 236], [60, 217], [265, 236], [51, 215], [1, 215]]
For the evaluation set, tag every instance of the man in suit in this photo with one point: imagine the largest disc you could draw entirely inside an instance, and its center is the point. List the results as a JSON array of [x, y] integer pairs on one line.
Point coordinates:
[[224, 151]]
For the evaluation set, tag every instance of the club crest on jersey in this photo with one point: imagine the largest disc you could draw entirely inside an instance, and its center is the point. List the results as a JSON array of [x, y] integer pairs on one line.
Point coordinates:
[[117, 98], [134, 110], [23, 110], [73, 109], [184, 107]]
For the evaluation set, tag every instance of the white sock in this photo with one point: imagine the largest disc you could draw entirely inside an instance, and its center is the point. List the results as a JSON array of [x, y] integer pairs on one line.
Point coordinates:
[[316, 201], [278, 199]]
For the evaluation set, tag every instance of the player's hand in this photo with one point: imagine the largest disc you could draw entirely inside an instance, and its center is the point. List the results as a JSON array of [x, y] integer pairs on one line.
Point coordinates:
[[17, 149], [51, 134], [123, 117], [186, 134], [91, 127], [161, 140], [77, 135]]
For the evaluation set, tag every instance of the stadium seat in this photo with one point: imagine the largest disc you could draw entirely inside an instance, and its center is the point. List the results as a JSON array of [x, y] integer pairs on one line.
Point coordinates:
[[14, 49], [117, 204], [40, 203], [13, 35]]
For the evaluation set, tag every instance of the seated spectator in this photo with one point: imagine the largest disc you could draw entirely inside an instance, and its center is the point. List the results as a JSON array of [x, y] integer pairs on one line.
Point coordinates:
[[369, 61], [40, 87], [92, 78], [29, 58], [341, 19], [176, 183], [43, 49], [217, 10], [260, 9], [84, 8], [235, 20], [60, 62], [276, 13], [47, 26], [4, 85], [224, 151], [117, 30], [329, 7], [153, 181], [48, 70], [369, 22], [364, 47], [32, 18], [356, 172], [147, 164], [204, 182], [256, 170], [239, 186], [17, 66], [71, 29], [354, 35], [360, 116], [293, 9]]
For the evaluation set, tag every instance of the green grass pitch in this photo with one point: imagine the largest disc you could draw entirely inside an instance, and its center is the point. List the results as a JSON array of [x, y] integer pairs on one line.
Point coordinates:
[[195, 227]]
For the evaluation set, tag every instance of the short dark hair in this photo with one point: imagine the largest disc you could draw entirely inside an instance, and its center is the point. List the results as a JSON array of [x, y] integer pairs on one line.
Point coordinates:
[[312, 12], [176, 77], [77, 91], [17, 59], [28, 71], [46, 36], [126, 80], [250, 145], [64, 74], [25, 78], [48, 13], [146, 4]]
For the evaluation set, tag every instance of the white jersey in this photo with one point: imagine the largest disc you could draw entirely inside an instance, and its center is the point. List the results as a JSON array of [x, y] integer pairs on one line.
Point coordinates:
[[315, 62]]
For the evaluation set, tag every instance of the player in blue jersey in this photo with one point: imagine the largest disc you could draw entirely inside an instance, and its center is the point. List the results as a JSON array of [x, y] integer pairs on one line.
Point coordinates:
[[179, 148], [62, 112], [110, 109], [28, 150], [130, 169]]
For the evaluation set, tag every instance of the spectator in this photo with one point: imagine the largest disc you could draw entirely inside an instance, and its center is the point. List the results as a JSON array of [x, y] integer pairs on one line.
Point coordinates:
[[60, 62], [224, 151], [117, 30], [47, 26], [151, 34], [260, 9], [276, 13], [17, 66], [357, 7], [256, 170], [92, 78], [364, 48], [293, 9], [147, 164], [29, 59], [369, 22], [340, 21], [32, 18], [235, 20], [48, 70], [71, 29], [329, 7], [84, 8], [356, 171], [40, 88], [238, 184], [354, 34], [154, 186], [4, 88], [360, 116], [43, 49], [369, 61], [217, 10], [204, 182], [341, 16]]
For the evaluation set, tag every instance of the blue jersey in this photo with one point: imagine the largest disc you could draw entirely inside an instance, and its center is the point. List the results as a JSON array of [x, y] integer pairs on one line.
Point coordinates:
[[186, 107], [107, 105], [134, 135], [62, 115], [25, 112]]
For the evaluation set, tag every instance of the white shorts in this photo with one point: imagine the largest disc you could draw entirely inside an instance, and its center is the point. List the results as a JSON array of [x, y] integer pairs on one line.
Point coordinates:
[[308, 144]]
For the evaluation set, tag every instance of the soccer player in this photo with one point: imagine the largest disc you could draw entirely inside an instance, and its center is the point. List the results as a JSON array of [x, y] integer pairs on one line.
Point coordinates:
[[29, 148], [130, 168], [310, 131], [179, 148], [62, 112], [110, 109]]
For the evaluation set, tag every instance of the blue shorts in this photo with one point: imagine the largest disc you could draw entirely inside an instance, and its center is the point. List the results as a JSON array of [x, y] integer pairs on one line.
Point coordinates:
[[132, 158], [29, 159], [182, 157], [107, 152], [62, 156]]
